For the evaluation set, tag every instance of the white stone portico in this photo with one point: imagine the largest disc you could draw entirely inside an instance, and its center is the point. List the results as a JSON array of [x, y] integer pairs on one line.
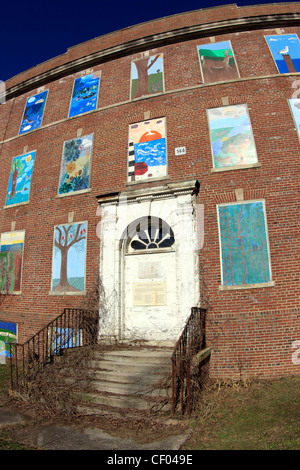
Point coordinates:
[[149, 292]]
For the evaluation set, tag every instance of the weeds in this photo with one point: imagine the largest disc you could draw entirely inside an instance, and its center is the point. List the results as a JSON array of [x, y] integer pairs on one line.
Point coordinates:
[[247, 415]]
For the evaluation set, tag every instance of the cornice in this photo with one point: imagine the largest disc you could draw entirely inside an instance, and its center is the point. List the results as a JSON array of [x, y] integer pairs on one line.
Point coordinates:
[[153, 192], [154, 41]]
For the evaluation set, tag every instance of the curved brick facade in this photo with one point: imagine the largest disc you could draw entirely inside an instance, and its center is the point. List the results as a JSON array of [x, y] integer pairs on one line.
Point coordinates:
[[230, 120]]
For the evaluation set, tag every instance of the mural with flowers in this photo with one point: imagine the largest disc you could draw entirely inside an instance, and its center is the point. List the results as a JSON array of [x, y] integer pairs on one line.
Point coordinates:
[[75, 165]]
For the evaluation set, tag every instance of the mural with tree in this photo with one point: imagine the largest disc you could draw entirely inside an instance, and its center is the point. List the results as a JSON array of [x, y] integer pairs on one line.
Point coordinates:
[[20, 179], [147, 76], [69, 253], [243, 244]]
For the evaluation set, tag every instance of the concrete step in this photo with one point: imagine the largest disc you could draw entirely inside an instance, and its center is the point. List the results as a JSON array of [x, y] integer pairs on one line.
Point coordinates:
[[122, 379], [131, 376], [131, 368], [140, 357], [128, 388], [120, 401], [137, 352], [130, 361]]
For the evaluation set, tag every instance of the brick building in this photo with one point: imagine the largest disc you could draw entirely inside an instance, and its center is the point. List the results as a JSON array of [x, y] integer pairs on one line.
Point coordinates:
[[102, 151]]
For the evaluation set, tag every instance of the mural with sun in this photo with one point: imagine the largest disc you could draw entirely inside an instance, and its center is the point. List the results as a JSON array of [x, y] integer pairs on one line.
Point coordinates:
[[20, 179], [147, 155]]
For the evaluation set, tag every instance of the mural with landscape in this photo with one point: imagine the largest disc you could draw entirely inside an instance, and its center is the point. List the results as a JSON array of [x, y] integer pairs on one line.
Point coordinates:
[[11, 257], [217, 62], [33, 114], [68, 263], [85, 94], [147, 76], [243, 244], [8, 334], [231, 136], [75, 165], [20, 179], [295, 109], [147, 156], [285, 49]]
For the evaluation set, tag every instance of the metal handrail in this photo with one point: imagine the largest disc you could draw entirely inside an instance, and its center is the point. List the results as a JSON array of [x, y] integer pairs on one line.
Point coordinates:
[[191, 341], [72, 329]]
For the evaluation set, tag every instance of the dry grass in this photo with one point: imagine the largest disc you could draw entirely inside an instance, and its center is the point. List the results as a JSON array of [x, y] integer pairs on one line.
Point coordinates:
[[247, 415]]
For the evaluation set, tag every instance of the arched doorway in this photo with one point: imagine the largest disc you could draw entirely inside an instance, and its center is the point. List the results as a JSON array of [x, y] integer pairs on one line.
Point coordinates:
[[148, 262], [149, 280]]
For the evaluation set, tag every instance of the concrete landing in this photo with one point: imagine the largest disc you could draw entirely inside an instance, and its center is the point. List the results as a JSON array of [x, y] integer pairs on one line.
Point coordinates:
[[61, 437]]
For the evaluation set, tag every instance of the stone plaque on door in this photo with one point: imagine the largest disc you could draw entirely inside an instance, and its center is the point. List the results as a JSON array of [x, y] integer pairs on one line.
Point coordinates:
[[149, 293]]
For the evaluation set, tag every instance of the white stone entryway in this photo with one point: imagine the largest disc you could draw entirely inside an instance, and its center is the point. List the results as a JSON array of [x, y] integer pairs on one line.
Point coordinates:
[[149, 262]]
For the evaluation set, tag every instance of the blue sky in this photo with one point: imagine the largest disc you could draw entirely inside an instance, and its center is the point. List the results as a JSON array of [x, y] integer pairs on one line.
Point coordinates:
[[278, 43], [31, 32]]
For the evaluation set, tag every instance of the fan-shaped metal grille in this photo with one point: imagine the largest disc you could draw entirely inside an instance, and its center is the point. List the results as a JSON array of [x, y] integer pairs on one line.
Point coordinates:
[[155, 236]]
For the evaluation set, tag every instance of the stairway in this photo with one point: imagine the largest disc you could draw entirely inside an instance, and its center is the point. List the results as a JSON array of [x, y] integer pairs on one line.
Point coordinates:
[[124, 381]]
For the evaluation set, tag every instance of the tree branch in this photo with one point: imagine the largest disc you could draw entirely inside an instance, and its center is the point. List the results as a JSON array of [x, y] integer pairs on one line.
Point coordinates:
[[153, 61]]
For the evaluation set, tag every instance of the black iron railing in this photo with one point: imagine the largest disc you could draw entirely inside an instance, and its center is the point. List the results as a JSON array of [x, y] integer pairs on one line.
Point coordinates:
[[72, 329], [191, 342]]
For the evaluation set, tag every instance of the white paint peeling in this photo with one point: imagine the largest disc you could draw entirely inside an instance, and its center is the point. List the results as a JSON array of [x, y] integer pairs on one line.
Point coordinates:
[[119, 271]]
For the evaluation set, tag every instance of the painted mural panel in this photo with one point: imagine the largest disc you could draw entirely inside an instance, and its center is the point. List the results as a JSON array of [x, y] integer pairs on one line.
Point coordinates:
[[20, 179], [295, 109], [217, 62], [85, 94], [8, 334], [147, 76], [64, 338], [231, 136], [75, 165], [243, 244], [285, 49], [11, 257], [68, 263], [33, 114], [147, 155]]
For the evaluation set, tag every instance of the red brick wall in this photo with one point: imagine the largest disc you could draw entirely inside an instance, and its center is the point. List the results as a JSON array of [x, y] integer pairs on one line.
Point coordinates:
[[251, 331]]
